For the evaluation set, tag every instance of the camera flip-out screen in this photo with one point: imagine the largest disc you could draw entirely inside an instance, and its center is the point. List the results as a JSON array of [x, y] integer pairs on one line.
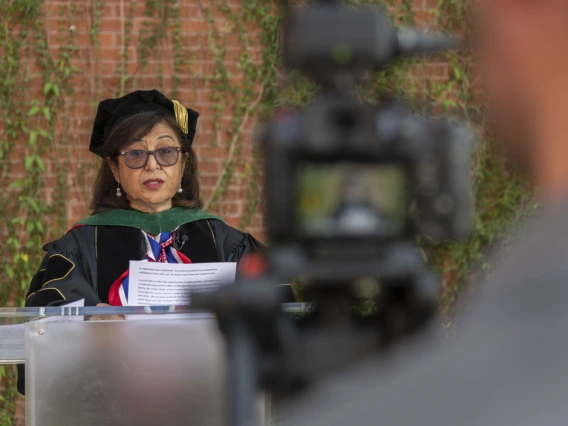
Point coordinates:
[[351, 199]]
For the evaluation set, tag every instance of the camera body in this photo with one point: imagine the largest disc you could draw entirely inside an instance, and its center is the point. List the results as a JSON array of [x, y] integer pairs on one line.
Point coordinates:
[[346, 178]]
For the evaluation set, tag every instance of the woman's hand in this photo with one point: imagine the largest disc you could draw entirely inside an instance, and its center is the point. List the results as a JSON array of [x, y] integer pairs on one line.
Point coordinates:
[[105, 317]]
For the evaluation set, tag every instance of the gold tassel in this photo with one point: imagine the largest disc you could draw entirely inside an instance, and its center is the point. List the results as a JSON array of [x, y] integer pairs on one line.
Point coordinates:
[[181, 116]]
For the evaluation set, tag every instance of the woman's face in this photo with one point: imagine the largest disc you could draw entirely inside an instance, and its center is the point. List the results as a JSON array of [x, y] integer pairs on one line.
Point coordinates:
[[151, 188]]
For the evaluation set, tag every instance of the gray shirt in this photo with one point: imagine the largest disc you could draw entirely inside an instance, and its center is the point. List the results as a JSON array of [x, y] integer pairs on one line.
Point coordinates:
[[507, 367]]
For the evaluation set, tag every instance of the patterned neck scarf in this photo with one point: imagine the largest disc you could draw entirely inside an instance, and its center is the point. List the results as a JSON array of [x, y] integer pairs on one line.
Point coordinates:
[[160, 248]]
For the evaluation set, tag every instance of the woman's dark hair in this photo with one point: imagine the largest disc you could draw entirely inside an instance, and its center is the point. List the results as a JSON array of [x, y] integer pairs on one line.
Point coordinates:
[[127, 131]]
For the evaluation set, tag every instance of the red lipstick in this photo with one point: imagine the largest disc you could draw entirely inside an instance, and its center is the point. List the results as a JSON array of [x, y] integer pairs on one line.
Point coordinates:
[[154, 183]]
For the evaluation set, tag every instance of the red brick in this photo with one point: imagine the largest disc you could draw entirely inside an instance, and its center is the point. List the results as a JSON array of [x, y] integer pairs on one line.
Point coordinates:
[[107, 38], [76, 212], [111, 53], [110, 10], [110, 24], [194, 26], [210, 167], [232, 209]]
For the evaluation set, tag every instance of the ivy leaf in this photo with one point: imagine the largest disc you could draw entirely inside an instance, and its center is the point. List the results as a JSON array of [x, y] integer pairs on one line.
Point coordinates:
[[33, 110], [30, 227], [29, 162], [457, 73], [56, 90], [40, 164], [35, 205], [33, 138], [16, 184], [46, 134], [47, 113], [47, 88]]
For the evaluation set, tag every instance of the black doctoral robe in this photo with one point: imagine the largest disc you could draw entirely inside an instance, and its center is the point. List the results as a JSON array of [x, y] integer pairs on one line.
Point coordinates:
[[86, 261]]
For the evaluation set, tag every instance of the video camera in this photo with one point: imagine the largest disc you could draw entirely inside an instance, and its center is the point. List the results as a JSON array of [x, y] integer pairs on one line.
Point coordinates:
[[339, 150], [343, 174], [349, 186]]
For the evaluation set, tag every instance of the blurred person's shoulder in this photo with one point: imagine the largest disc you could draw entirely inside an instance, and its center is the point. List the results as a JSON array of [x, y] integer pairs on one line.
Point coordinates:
[[531, 270], [506, 366]]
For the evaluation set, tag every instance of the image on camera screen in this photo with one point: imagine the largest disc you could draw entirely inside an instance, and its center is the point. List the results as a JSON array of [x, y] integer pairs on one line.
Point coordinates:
[[351, 200]]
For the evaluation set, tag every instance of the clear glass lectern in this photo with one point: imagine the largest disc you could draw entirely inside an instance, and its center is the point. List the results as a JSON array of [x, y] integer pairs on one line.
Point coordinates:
[[158, 366]]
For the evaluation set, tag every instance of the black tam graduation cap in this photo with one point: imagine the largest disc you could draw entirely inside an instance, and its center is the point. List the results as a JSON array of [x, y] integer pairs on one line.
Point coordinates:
[[110, 111]]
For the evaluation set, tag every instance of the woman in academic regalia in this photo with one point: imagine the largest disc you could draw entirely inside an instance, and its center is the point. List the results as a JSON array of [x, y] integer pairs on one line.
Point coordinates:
[[145, 205]]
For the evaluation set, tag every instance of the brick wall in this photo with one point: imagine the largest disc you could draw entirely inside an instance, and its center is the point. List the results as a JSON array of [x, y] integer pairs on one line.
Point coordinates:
[[98, 78]]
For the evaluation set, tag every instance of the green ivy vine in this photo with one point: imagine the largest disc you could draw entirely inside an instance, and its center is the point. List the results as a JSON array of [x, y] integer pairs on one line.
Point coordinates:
[[29, 127]]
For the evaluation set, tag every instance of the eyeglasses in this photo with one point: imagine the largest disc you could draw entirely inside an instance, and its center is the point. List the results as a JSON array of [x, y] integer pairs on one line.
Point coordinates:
[[137, 158]]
